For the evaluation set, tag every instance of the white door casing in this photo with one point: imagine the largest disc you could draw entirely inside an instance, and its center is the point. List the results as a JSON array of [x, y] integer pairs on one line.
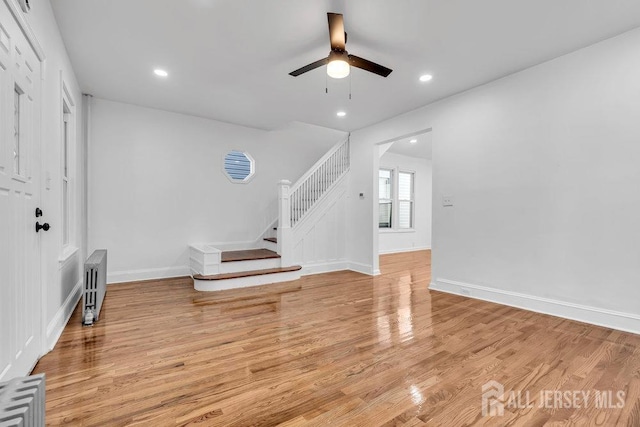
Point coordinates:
[[20, 187]]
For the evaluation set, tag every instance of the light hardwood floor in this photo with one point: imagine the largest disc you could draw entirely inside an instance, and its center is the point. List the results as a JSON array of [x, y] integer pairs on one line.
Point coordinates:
[[339, 349]]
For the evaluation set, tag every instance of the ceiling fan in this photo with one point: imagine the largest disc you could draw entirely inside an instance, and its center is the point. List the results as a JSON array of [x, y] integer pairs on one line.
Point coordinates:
[[339, 60]]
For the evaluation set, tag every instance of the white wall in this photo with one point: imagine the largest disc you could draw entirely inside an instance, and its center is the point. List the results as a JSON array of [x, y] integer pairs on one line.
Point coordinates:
[[318, 239], [392, 241], [60, 271], [543, 169], [156, 184]]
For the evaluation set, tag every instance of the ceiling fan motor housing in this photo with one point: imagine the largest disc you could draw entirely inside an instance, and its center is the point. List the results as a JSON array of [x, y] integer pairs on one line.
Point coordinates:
[[339, 55]]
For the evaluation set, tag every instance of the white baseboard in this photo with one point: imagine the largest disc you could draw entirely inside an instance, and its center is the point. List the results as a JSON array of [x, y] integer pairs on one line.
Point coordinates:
[[327, 267], [60, 320], [363, 268], [397, 251], [147, 274], [324, 267], [622, 321]]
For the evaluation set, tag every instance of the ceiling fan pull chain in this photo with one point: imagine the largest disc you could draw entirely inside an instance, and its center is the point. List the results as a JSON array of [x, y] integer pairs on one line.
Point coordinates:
[[326, 84], [349, 87]]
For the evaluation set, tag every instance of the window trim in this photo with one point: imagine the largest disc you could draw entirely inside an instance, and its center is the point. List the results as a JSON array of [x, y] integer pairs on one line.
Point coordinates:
[[64, 173], [390, 200], [68, 115], [411, 200], [252, 161], [395, 173]]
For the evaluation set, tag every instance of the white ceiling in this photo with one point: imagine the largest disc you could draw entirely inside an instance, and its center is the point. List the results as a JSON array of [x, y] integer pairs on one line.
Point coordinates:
[[421, 148], [229, 59]]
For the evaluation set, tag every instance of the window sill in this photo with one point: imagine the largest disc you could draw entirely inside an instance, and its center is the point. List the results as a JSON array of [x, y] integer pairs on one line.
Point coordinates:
[[67, 253], [397, 230]]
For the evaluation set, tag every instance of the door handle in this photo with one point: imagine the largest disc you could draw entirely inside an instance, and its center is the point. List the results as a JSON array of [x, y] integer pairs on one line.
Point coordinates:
[[44, 226]]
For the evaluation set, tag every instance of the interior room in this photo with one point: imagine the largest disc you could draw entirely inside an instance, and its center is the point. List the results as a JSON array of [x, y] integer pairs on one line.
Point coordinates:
[[329, 212]]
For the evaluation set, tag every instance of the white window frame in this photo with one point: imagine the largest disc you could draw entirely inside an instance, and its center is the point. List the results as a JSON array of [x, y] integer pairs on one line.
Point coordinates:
[[66, 136], [411, 200], [395, 201], [252, 164], [68, 166], [391, 200]]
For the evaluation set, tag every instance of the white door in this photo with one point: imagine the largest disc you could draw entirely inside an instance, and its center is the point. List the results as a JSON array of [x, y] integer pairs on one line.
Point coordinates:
[[20, 293]]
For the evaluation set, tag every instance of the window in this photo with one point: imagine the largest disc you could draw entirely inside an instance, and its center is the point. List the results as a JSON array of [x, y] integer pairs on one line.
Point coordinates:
[[239, 166], [405, 200], [385, 178], [395, 199], [66, 135], [68, 168]]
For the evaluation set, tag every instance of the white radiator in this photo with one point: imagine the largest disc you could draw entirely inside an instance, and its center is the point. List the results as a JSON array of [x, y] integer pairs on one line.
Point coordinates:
[[22, 402], [95, 286]]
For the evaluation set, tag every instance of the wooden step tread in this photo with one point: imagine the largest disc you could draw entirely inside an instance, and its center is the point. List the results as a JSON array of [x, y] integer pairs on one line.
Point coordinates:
[[248, 255], [272, 239], [240, 274]]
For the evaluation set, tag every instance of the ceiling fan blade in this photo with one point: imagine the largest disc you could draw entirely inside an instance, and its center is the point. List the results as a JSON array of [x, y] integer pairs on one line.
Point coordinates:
[[309, 67], [367, 65], [336, 31]]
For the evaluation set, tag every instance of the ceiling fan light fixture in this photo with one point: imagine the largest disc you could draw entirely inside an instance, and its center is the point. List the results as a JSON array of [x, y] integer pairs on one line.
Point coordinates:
[[338, 66], [338, 69], [339, 62]]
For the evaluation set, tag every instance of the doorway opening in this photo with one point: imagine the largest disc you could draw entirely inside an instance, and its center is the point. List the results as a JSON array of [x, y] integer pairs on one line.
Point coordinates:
[[404, 172]]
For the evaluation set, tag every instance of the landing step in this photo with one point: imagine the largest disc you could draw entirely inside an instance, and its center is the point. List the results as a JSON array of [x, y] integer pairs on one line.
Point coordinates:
[[248, 273], [248, 255], [272, 239]]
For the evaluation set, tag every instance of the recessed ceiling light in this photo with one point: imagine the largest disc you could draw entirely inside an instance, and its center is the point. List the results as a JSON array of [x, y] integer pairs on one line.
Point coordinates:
[[341, 114], [413, 141], [161, 73], [425, 77]]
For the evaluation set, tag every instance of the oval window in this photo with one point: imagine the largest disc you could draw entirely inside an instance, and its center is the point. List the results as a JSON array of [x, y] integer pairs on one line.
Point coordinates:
[[238, 166]]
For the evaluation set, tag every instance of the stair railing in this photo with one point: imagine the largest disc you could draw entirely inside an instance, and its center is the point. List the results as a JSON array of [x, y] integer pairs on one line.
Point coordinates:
[[295, 201]]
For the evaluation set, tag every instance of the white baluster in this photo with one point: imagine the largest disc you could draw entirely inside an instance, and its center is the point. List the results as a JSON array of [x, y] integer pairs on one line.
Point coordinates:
[[294, 204], [333, 168], [306, 198], [324, 177]]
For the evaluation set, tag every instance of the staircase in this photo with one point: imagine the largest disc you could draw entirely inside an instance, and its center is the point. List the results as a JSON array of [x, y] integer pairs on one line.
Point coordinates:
[[271, 260]]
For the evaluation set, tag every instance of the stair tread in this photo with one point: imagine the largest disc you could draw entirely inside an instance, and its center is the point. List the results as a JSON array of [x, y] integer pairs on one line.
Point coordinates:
[[271, 239], [240, 274], [248, 255]]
